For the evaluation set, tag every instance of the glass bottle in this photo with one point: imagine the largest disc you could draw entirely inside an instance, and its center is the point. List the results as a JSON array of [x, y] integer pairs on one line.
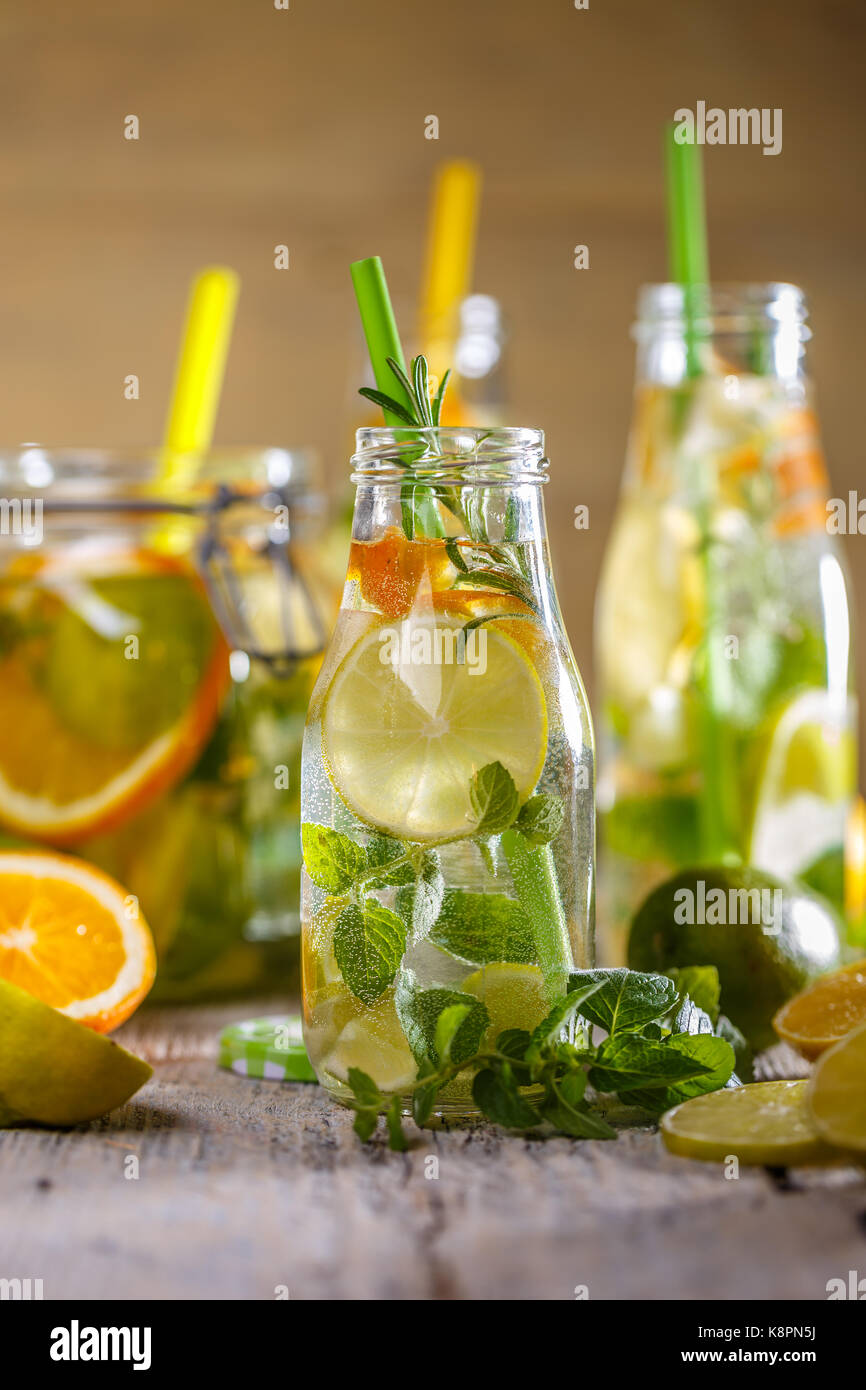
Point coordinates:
[[723, 629], [157, 652], [447, 701]]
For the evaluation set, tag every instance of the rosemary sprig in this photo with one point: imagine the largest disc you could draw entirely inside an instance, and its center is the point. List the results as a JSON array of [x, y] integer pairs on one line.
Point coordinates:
[[503, 567], [425, 414]]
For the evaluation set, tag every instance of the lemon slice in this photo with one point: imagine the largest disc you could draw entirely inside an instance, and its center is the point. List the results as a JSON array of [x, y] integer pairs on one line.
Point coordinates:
[[837, 1092], [806, 784], [376, 1044], [515, 996], [406, 724], [768, 1122]]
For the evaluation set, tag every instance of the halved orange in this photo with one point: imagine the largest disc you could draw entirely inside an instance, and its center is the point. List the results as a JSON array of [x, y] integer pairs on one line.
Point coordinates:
[[72, 937], [826, 1012], [87, 737]]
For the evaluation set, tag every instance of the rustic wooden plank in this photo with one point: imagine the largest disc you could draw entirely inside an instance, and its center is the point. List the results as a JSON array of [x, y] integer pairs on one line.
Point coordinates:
[[245, 1186]]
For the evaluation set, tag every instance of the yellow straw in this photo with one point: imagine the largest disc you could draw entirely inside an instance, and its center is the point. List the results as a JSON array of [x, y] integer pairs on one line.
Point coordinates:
[[450, 258], [197, 388]]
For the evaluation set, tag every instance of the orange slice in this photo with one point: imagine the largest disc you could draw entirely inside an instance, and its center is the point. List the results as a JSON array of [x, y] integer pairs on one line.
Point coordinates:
[[826, 1012], [72, 937], [88, 738]]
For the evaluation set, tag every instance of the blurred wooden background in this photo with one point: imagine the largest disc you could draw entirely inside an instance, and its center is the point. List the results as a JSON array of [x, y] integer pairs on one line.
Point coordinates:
[[305, 126]]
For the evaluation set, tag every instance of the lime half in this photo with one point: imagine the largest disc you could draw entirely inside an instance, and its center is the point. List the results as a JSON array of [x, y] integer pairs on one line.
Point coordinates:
[[768, 1123], [409, 719]]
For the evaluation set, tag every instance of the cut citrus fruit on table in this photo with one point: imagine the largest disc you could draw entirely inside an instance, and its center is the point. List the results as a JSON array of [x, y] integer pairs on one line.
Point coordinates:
[[72, 937], [402, 737], [805, 784], [767, 1122], [55, 1072], [107, 701], [837, 1092], [515, 996], [826, 1012]]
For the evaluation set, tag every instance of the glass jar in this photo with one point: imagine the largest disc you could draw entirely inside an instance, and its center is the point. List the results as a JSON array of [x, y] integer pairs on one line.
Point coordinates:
[[723, 630], [447, 781], [157, 651]]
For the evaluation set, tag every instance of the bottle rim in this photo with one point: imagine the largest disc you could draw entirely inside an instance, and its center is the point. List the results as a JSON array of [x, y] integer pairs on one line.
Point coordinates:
[[459, 455], [80, 474], [723, 308]]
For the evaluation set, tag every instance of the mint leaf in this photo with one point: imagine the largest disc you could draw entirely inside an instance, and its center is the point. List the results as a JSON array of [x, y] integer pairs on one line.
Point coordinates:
[[368, 1099], [540, 818], [513, 1043], [494, 799], [364, 1088], [484, 927], [394, 1121], [331, 859], [496, 1094], [690, 1019], [629, 1062], [625, 999], [713, 1055], [447, 1027], [565, 1109], [419, 902], [701, 984], [562, 1014], [743, 1061], [418, 1011], [424, 1098], [380, 852], [369, 943]]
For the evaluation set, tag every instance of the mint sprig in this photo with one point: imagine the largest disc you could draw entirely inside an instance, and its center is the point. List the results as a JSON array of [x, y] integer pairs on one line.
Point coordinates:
[[556, 1079]]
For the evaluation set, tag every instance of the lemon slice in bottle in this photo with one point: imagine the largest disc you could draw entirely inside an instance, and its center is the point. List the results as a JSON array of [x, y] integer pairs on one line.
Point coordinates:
[[406, 723], [515, 996], [806, 783]]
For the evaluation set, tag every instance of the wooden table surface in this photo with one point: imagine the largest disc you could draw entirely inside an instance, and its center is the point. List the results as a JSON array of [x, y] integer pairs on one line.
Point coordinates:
[[248, 1187]]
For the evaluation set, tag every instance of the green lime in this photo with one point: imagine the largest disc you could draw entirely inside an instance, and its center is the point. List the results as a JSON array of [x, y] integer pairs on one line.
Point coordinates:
[[766, 938], [126, 657], [54, 1071]]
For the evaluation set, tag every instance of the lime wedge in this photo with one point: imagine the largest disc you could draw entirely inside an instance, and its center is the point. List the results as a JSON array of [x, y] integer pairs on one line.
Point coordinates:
[[406, 724], [54, 1071], [768, 1123]]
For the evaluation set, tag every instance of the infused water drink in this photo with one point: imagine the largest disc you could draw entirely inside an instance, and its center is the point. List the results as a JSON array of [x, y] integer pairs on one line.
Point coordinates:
[[156, 659], [447, 798], [723, 627]]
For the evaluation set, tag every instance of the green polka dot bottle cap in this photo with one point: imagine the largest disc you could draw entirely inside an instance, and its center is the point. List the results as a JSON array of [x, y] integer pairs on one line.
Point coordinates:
[[269, 1049]]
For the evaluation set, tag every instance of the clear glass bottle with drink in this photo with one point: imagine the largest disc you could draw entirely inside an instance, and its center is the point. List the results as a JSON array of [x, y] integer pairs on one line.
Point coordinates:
[[157, 654], [723, 628], [447, 797]]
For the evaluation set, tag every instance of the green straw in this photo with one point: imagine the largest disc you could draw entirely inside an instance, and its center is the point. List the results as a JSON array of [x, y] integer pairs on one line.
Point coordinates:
[[380, 330], [687, 232], [417, 501], [689, 267]]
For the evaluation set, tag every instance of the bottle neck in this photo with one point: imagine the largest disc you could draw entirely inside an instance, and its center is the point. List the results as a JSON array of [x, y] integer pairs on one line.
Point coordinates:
[[722, 331]]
